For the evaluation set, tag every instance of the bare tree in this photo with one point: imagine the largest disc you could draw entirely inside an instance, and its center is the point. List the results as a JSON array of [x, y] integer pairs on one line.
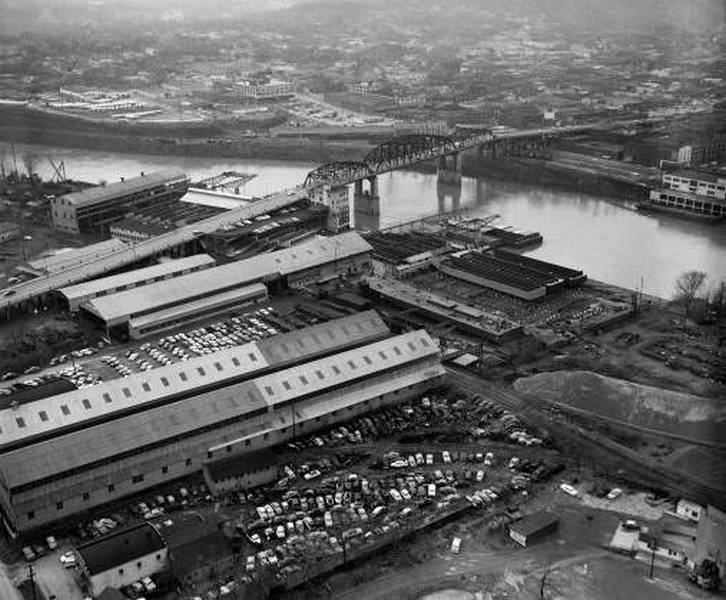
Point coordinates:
[[688, 285]]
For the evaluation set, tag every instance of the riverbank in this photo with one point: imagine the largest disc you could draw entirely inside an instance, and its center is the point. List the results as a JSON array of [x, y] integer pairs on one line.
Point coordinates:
[[222, 139]]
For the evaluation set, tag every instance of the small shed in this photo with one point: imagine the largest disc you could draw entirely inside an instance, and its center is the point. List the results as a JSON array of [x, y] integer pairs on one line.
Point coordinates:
[[534, 527], [241, 471]]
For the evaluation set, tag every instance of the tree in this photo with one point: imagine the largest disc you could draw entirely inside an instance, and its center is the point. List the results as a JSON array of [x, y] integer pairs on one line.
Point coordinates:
[[688, 285]]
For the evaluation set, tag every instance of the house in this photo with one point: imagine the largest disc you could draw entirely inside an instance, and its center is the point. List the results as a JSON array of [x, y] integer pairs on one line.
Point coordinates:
[[198, 549], [122, 557], [669, 540], [688, 510]]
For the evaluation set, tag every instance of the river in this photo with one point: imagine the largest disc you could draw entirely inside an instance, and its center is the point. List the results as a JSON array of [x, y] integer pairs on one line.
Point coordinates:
[[601, 236]]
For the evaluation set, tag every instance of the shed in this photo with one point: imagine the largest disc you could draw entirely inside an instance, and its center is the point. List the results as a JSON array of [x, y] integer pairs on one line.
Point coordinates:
[[241, 471], [533, 527]]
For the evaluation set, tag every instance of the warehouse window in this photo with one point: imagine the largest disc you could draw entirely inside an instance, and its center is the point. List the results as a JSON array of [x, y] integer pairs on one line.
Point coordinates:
[[31, 515], [352, 365], [265, 436], [138, 565], [107, 398], [201, 371], [247, 442], [330, 335], [120, 571], [164, 381], [111, 487], [235, 361], [86, 495], [86, 403], [284, 347], [397, 350], [20, 421], [210, 454], [269, 390], [336, 370], [43, 415], [165, 469], [137, 478], [146, 386], [127, 392], [303, 380], [182, 375], [65, 410], [229, 448], [188, 462], [320, 374], [382, 354], [253, 358], [368, 360], [410, 345], [218, 366], [316, 339], [286, 385], [59, 505], [424, 341], [345, 330]]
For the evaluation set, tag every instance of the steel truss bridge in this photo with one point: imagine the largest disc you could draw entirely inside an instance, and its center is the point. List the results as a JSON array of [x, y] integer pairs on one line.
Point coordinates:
[[406, 150]]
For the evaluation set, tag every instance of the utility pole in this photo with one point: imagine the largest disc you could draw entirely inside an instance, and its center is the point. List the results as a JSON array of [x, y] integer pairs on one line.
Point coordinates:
[[31, 578], [652, 558]]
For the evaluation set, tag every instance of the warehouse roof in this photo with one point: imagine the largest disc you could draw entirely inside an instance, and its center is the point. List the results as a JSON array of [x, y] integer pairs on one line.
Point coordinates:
[[193, 307], [168, 267], [65, 410], [120, 547], [118, 307], [71, 258], [101, 193], [234, 403]]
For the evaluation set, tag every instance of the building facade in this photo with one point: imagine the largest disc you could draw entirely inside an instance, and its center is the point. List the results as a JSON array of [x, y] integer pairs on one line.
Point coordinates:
[[168, 422], [122, 557], [94, 209]]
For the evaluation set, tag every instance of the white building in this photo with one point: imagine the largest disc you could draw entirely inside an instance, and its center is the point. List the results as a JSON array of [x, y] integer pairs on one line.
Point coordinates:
[[696, 182], [122, 557], [688, 510]]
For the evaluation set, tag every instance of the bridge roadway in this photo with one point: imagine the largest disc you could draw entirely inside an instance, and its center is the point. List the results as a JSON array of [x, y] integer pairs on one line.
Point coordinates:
[[16, 294]]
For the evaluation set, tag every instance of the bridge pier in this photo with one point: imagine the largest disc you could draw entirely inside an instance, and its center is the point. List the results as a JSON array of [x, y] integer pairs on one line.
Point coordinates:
[[449, 168]]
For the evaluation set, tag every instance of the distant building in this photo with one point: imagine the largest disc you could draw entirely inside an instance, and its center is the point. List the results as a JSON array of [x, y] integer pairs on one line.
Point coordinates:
[[122, 557], [267, 91], [533, 528], [702, 183], [94, 209], [668, 540], [8, 231]]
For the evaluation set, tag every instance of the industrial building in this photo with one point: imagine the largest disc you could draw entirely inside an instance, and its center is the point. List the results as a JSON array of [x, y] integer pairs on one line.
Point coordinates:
[[685, 203], [241, 472], [510, 273], [70, 453], [321, 259], [92, 210], [83, 292], [122, 557]]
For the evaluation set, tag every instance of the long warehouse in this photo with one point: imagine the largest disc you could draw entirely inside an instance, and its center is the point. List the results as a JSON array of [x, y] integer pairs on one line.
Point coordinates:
[[317, 260], [170, 420], [75, 295]]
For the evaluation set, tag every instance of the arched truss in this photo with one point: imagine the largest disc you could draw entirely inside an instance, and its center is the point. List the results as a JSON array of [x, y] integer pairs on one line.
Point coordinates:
[[405, 150], [337, 173]]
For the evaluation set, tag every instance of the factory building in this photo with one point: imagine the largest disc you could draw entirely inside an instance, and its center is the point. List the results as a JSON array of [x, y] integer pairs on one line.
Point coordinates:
[[70, 453], [75, 295], [227, 286], [92, 210]]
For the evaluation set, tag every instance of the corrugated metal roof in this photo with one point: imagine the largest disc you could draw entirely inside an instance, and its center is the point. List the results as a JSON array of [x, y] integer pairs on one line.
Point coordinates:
[[116, 308], [94, 195], [104, 441], [77, 256], [154, 246], [256, 290], [91, 403], [168, 267]]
